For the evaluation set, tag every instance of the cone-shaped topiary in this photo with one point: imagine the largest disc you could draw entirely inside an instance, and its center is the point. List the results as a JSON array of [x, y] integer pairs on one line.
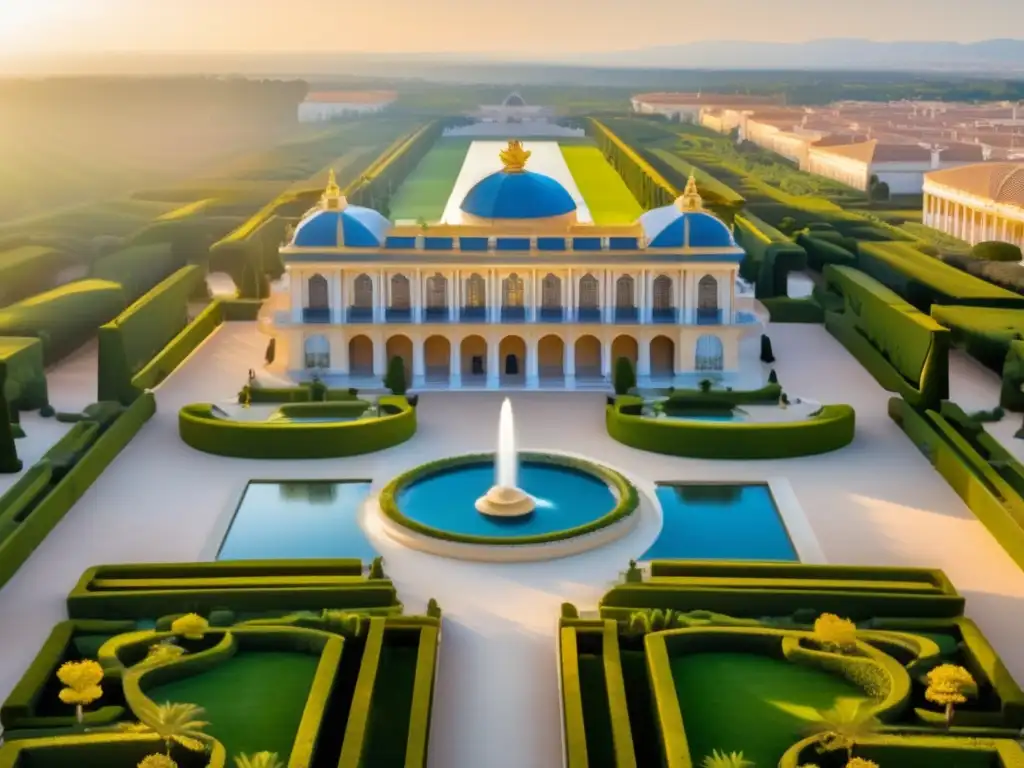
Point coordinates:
[[766, 349], [624, 378], [395, 378]]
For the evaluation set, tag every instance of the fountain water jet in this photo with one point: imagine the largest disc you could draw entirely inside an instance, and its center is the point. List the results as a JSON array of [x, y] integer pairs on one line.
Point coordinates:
[[505, 499]]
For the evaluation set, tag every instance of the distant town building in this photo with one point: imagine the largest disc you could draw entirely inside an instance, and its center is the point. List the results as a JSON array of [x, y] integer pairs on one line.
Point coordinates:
[[513, 109], [330, 105], [977, 202], [901, 166], [687, 107], [513, 119]]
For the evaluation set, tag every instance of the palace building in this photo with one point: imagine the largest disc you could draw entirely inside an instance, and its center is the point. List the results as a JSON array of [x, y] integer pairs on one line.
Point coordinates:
[[977, 202], [518, 293]]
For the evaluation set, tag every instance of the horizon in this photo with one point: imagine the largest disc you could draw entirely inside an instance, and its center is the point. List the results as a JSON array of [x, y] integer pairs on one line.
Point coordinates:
[[537, 29]]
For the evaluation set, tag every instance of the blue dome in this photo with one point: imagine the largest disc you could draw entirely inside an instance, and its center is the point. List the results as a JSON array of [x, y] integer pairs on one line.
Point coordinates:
[[352, 226], [669, 227], [518, 195]]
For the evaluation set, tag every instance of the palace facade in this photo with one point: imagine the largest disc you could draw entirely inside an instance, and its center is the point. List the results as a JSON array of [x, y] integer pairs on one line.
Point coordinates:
[[518, 294], [977, 202]]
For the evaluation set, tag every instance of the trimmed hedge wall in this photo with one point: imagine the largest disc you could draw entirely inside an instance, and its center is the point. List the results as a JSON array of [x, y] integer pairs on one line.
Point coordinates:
[[989, 497], [201, 429], [25, 384], [178, 348], [783, 309], [650, 188], [30, 509], [240, 310], [822, 252], [628, 498], [28, 270], [829, 429], [138, 268], [133, 338], [771, 256], [905, 350], [912, 750], [924, 280], [375, 186], [66, 317], [101, 750]]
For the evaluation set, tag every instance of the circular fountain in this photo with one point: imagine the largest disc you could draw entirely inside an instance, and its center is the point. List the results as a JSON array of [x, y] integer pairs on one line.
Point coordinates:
[[508, 505], [505, 498]]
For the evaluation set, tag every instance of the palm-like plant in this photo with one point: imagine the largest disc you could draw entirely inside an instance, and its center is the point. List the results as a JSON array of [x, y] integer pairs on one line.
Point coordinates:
[[259, 760], [722, 760], [843, 725], [173, 723]]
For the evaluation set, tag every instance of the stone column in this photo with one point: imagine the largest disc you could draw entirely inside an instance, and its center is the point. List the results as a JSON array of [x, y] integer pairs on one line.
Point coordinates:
[[493, 363], [535, 298], [643, 359], [419, 368], [295, 289], [417, 296], [455, 363], [452, 296], [568, 292], [731, 309], [532, 363], [649, 289], [339, 352], [569, 363], [337, 312], [606, 358], [380, 355]]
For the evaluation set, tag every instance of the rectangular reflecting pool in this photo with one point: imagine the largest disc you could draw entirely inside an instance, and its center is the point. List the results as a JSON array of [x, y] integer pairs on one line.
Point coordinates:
[[720, 521], [298, 519]]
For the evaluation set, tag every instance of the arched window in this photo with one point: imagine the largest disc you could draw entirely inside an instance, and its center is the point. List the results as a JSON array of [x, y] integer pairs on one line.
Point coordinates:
[[707, 294], [318, 293], [709, 354], [317, 352], [400, 294], [476, 291], [588, 292], [551, 292], [661, 300], [437, 291], [512, 291], [363, 292], [625, 292]]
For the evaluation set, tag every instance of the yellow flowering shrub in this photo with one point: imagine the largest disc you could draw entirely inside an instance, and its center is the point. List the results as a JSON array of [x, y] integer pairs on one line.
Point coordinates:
[[161, 653], [157, 761], [82, 680], [860, 762], [834, 632], [191, 626]]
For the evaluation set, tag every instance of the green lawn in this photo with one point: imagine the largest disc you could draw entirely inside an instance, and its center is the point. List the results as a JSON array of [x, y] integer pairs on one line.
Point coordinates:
[[603, 190], [424, 194], [253, 702], [753, 704], [392, 702]]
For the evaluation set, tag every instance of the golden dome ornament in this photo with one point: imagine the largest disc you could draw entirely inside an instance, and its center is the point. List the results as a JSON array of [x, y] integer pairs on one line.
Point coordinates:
[[514, 157]]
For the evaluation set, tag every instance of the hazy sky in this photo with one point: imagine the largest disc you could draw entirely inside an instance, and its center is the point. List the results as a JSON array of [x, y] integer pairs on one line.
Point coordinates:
[[527, 26]]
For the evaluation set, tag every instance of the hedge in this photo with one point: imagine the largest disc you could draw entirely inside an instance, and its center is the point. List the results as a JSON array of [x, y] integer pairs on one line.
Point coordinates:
[[161, 589], [101, 750], [250, 254], [137, 268], [923, 280], [905, 350], [374, 188], [829, 429], [178, 348], [649, 187], [240, 310], [934, 751], [299, 394], [25, 385], [821, 251], [9, 461], [28, 270], [962, 468], [132, 339], [1011, 393], [65, 317], [572, 700], [771, 256], [83, 466], [768, 394], [783, 309], [201, 429], [627, 499], [987, 334]]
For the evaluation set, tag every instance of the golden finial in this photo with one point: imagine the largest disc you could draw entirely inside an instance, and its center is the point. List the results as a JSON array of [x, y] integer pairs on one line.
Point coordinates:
[[332, 194], [514, 157], [690, 199]]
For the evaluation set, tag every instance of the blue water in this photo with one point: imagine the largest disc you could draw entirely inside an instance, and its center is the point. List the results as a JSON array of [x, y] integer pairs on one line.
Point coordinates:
[[706, 417], [720, 522], [565, 498], [313, 419], [298, 520]]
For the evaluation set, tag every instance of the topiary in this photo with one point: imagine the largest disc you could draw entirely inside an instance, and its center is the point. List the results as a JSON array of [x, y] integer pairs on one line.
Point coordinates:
[[395, 378], [377, 568], [271, 351], [317, 390], [994, 250], [773, 378], [766, 349], [706, 385], [624, 378], [47, 411]]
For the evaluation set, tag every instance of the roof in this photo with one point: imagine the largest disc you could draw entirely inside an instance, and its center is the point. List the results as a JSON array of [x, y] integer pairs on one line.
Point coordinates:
[[998, 182], [335, 223], [685, 224], [662, 97], [351, 97], [514, 100], [517, 195], [875, 151]]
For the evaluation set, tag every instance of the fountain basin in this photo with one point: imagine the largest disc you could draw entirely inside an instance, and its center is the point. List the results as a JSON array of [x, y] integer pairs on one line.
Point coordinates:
[[502, 501], [573, 499]]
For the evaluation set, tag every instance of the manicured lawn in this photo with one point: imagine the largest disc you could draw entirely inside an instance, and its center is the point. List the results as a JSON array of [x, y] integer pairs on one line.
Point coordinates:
[[751, 704], [603, 190], [392, 702], [424, 194], [253, 702]]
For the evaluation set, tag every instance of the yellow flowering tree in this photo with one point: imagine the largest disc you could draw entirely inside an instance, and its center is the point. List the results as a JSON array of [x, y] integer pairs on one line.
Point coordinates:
[[82, 684], [161, 653], [860, 762], [841, 727], [191, 626], [259, 760], [722, 760], [835, 633], [157, 761], [949, 685]]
